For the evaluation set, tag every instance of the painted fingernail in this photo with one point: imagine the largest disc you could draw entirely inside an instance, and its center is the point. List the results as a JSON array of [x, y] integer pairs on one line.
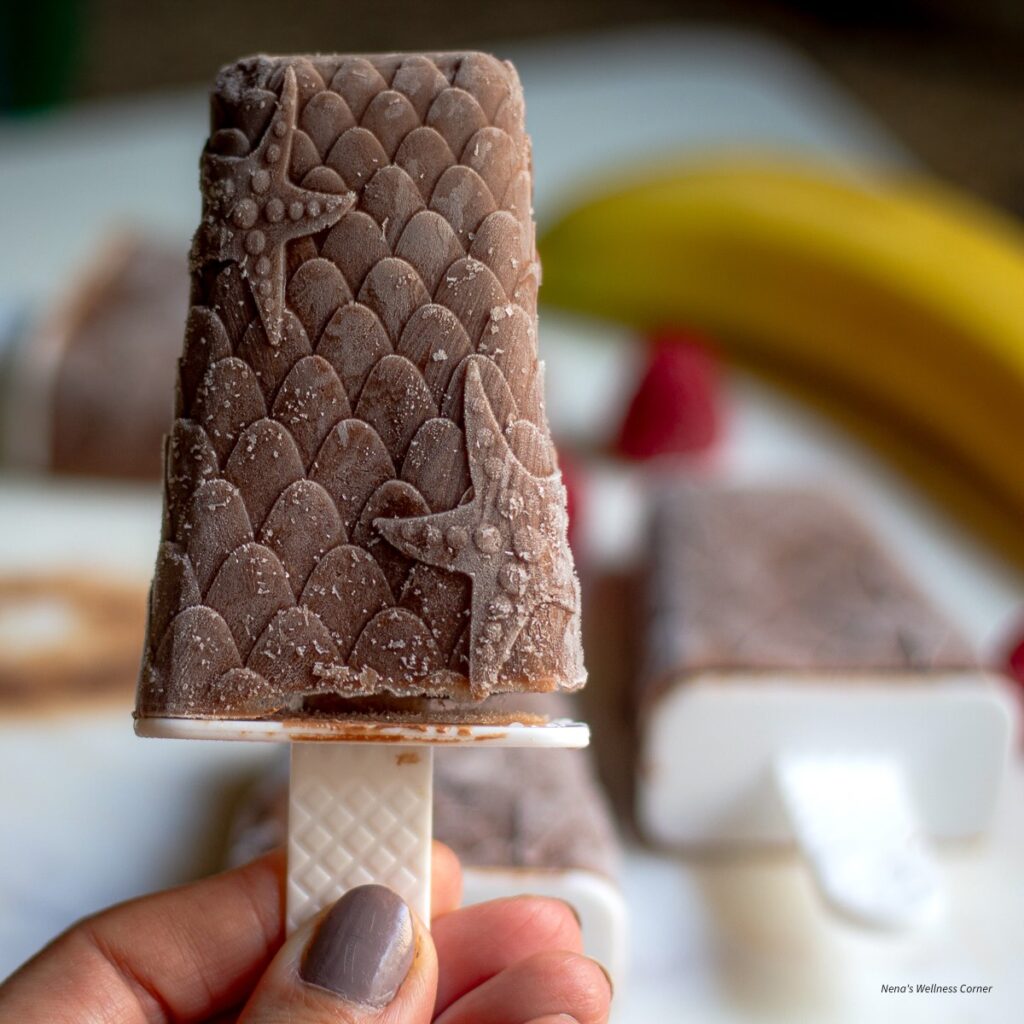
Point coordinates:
[[364, 947]]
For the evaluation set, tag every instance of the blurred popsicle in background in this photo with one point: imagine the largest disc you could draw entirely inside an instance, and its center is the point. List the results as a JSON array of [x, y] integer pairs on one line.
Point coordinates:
[[798, 686], [85, 385]]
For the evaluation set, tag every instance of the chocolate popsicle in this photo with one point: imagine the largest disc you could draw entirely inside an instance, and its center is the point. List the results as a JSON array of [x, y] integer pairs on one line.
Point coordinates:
[[68, 638], [362, 496], [365, 527], [87, 390], [756, 580], [799, 686]]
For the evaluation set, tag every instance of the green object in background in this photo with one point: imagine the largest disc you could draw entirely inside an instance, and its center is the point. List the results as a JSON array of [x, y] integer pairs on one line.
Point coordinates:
[[39, 51]]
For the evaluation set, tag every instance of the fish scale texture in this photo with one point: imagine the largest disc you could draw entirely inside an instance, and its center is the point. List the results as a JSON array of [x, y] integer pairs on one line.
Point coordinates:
[[362, 497]]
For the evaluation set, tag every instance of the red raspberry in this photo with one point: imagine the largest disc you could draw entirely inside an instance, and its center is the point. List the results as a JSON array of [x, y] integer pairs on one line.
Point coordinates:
[[1015, 660], [571, 478], [676, 406]]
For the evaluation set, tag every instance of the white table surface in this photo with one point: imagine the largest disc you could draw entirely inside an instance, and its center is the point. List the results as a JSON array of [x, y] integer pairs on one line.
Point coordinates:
[[92, 815]]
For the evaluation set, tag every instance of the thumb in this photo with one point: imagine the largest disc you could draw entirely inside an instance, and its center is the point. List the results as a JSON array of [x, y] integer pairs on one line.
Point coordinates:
[[364, 960]]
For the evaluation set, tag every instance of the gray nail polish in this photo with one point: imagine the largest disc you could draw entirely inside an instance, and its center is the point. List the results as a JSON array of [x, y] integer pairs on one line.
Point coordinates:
[[364, 947]]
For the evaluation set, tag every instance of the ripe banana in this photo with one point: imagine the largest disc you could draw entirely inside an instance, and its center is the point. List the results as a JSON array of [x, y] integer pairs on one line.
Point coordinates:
[[891, 294]]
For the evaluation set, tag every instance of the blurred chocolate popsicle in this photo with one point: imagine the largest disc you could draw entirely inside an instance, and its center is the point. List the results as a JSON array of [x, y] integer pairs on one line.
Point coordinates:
[[797, 685], [68, 638], [86, 389], [755, 580]]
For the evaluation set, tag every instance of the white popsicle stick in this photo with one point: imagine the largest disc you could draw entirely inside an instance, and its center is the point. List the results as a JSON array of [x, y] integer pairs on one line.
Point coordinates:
[[358, 813], [854, 821], [360, 796]]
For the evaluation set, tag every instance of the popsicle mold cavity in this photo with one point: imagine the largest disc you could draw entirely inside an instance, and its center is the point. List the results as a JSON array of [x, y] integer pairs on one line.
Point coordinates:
[[362, 497]]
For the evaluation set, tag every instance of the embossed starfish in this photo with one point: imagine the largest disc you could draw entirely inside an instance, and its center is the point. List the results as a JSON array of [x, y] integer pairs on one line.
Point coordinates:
[[509, 539], [251, 209]]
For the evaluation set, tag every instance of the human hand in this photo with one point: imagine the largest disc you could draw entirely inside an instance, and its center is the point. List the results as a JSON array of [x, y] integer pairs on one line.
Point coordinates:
[[214, 952]]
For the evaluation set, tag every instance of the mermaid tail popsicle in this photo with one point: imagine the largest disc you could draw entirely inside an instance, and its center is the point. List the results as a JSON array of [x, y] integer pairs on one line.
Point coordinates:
[[364, 534]]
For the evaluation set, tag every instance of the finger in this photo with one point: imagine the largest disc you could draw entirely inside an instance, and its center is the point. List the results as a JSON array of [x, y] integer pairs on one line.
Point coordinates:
[[545, 985], [181, 955], [478, 942], [187, 953], [445, 880], [365, 960]]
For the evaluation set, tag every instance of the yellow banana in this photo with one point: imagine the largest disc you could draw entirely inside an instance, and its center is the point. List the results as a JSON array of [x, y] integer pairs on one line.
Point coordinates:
[[894, 295]]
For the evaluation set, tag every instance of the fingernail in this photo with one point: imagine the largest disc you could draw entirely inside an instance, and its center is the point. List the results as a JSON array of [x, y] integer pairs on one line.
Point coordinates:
[[607, 977], [364, 947], [575, 913], [557, 899]]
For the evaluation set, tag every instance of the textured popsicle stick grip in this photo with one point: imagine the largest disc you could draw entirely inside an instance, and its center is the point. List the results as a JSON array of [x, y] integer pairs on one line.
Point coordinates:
[[358, 814]]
